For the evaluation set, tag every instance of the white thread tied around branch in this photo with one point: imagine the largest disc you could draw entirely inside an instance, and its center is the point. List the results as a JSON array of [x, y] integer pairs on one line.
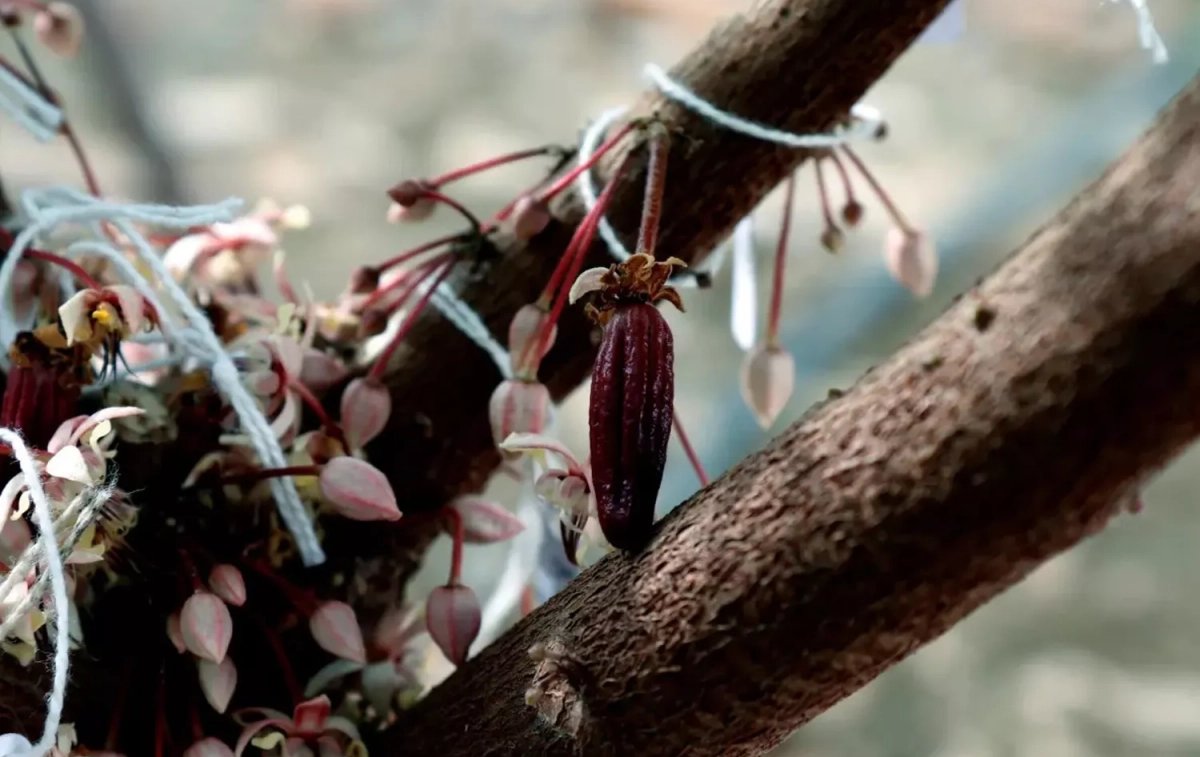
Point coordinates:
[[48, 539], [28, 108], [49, 208]]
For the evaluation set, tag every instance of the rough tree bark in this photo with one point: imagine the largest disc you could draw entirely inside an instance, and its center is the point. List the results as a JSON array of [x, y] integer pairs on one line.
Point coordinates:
[[794, 64], [1007, 431]]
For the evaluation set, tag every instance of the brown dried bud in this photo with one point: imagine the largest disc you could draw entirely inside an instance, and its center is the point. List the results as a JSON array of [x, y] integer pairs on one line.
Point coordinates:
[[411, 203], [364, 280], [852, 213], [631, 407]]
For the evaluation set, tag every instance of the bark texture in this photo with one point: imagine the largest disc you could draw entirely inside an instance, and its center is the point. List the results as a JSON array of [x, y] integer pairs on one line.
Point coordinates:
[[1007, 431], [794, 64]]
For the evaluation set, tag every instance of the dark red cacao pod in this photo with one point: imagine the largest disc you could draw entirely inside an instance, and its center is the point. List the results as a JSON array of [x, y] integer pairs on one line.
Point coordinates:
[[629, 419]]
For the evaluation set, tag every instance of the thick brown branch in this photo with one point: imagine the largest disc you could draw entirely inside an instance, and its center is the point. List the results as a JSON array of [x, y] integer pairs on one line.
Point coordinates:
[[794, 64], [1009, 430]]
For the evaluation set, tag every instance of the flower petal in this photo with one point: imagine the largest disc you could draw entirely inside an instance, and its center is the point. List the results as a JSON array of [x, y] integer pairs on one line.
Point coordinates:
[[486, 522], [324, 677], [69, 465], [535, 444], [589, 281], [357, 490], [132, 304], [335, 628], [453, 617], [217, 681], [206, 626], [101, 416], [309, 717], [75, 315]]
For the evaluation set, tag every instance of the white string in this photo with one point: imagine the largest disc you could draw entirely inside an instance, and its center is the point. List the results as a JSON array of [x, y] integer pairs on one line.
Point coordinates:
[[1147, 33], [28, 108], [202, 343], [466, 320], [58, 581]]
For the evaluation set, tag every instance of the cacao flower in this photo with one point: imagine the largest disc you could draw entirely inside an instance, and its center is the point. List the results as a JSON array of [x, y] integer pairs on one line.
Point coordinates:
[[518, 407], [453, 617], [59, 26], [911, 259], [227, 583], [768, 379], [208, 747], [366, 407], [632, 396], [206, 626], [335, 629], [358, 490], [217, 681], [485, 522]]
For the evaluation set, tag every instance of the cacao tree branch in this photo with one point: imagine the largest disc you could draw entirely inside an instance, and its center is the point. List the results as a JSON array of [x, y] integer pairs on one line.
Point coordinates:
[[1010, 429], [794, 64]]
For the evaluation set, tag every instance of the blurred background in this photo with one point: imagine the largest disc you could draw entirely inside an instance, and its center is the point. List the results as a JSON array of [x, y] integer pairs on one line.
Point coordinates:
[[329, 102]]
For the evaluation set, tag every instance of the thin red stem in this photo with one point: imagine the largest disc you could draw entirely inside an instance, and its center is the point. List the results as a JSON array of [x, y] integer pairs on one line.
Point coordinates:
[[314, 404], [781, 249], [381, 364], [823, 193], [301, 599], [404, 283], [458, 534], [118, 710], [197, 726], [285, 666], [686, 443], [847, 184], [407, 255], [264, 474], [446, 199], [568, 178], [160, 717], [897, 217], [486, 165], [68, 265], [656, 184], [578, 248]]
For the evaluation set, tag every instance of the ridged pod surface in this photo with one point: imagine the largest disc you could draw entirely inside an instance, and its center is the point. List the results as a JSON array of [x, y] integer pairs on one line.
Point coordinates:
[[629, 418]]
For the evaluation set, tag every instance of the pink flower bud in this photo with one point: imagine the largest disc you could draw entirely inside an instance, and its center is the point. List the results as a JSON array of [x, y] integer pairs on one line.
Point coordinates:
[[530, 218], [452, 616], [409, 202], [320, 371], [336, 630], [217, 681], [366, 407], [175, 634], [768, 378], [524, 335], [208, 747], [358, 490], [227, 583], [912, 260], [60, 28], [206, 626], [518, 407], [486, 522]]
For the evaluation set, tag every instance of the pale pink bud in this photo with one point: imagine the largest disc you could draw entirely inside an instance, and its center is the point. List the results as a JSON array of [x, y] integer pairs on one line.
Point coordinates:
[[911, 259], [485, 522], [358, 490], [452, 616], [336, 630], [217, 681], [208, 747], [518, 407], [206, 626], [524, 336], [530, 218], [227, 583], [175, 634], [60, 28], [320, 371], [409, 203], [768, 378], [366, 407]]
